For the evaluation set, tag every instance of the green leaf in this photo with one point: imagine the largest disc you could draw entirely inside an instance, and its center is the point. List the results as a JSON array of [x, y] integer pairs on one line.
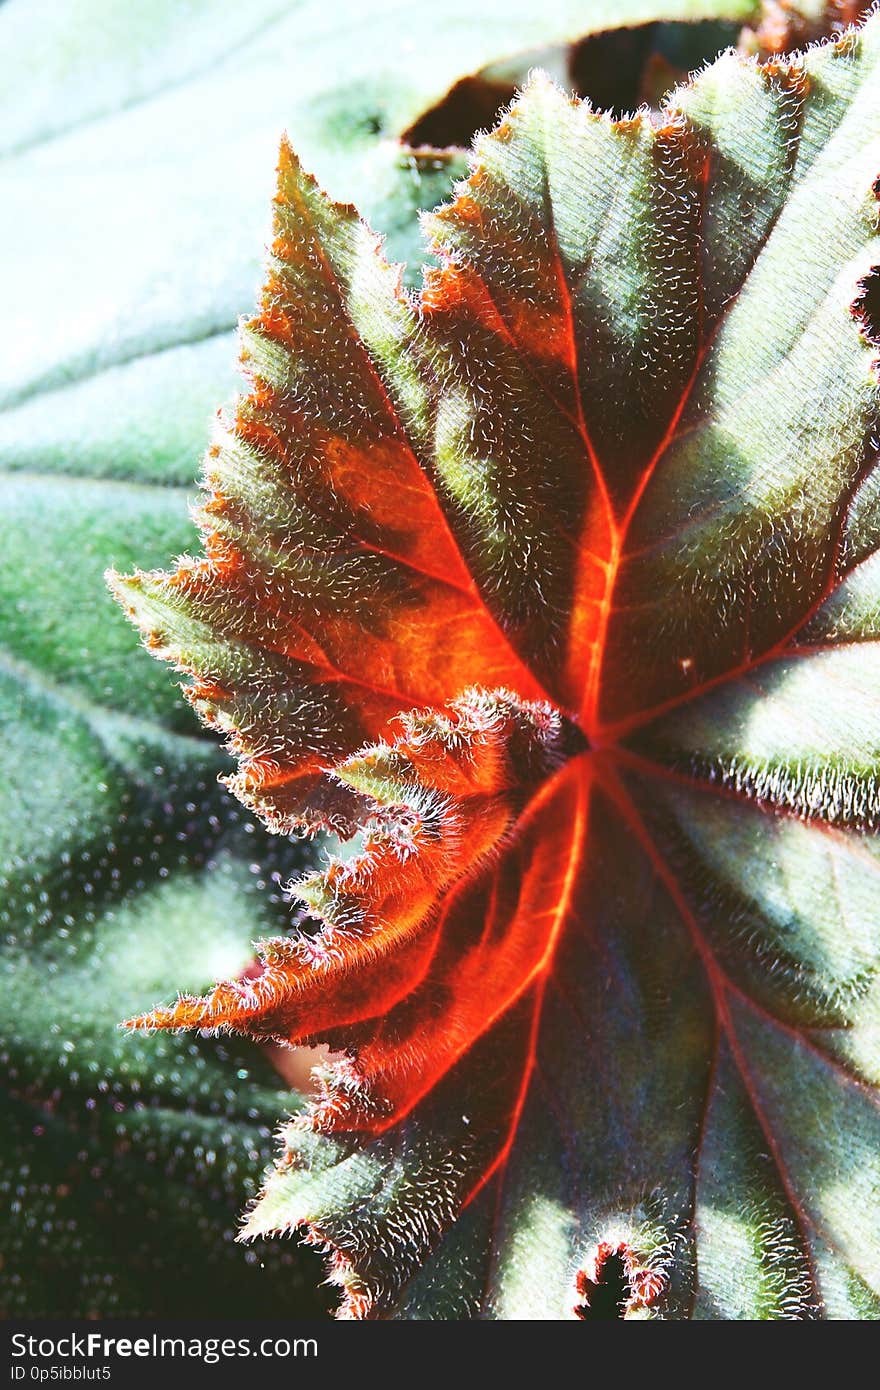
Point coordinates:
[[124, 866]]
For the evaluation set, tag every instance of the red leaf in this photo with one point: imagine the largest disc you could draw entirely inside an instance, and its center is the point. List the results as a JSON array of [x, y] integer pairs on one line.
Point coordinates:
[[567, 538]]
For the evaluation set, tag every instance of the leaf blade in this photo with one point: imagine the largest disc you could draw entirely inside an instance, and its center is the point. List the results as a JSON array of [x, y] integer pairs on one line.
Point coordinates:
[[533, 993]]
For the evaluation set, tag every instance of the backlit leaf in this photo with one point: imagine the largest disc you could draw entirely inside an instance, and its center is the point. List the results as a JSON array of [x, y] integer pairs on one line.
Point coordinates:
[[554, 593], [136, 148]]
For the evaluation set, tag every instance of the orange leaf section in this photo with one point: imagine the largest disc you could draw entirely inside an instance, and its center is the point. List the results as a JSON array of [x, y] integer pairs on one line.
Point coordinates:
[[458, 306], [332, 593], [480, 807]]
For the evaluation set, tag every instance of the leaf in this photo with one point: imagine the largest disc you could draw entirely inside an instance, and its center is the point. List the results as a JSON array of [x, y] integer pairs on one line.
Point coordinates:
[[123, 867], [131, 1213], [600, 970], [785, 24], [136, 147], [170, 129]]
